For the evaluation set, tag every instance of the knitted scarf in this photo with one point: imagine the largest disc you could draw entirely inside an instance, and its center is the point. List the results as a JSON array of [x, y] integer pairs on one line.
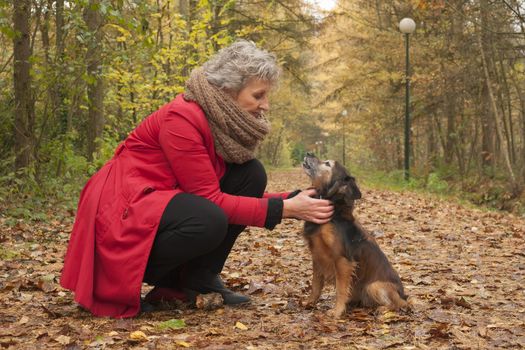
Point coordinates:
[[236, 133]]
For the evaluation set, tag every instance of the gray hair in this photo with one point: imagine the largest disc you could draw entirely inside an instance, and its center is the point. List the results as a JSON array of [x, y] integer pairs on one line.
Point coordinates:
[[231, 67]]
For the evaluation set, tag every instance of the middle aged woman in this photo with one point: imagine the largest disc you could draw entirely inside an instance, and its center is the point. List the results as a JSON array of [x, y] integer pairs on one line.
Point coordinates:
[[169, 205]]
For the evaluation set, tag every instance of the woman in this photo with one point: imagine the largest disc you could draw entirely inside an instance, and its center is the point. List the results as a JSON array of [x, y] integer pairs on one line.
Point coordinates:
[[169, 205]]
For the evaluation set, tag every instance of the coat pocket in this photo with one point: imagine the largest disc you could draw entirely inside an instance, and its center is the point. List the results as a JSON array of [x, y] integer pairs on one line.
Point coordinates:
[[142, 203], [108, 219]]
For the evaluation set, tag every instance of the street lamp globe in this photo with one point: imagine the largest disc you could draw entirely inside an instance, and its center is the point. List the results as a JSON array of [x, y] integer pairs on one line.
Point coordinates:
[[407, 25]]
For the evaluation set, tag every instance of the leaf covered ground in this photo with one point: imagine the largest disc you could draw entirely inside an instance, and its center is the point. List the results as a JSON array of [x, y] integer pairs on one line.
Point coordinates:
[[463, 269]]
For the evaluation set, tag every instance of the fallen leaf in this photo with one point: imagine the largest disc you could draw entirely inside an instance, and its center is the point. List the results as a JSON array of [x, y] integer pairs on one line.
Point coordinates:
[[46, 287], [213, 331], [123, 325], [240, 326], [102, 342], [138, 336], [255, 287], [182, 343], [63, 339], [209, 301], [172, 324], [462, 302], [440, 330], [25, 297]]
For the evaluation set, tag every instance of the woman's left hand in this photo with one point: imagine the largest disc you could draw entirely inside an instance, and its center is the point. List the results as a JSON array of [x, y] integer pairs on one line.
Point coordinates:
[[304, 207]]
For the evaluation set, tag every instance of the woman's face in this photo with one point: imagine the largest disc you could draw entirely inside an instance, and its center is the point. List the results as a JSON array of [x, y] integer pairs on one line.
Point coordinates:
[[253, 97]]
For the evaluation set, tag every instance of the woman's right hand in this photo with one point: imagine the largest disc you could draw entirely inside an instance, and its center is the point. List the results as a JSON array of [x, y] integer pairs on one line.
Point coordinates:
[[304, 207]]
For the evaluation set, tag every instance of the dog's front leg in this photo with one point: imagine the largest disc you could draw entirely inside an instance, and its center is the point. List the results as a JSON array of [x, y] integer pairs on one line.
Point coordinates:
[[317, 284], [344, 272]]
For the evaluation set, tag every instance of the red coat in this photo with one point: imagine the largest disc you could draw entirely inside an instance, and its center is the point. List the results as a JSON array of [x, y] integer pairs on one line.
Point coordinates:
[[120, 207]]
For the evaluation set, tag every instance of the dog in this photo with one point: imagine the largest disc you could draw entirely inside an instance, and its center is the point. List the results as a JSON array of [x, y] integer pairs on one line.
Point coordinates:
[[342, 250]]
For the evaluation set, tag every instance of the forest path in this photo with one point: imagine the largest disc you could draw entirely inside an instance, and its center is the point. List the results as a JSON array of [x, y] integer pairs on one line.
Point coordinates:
[[463, 269]]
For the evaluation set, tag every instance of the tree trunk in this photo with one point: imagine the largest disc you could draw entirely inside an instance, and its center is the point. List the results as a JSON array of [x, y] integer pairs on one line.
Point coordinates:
[[95, 88], [276, 150], [521, 97], [24, 118], [506, 102], [488, 148], [59, 94], [496, 116], [188, 9], [44, 30], [450, 100]]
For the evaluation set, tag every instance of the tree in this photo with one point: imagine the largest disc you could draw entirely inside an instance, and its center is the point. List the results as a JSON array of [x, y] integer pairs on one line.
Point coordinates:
[[466, 106], [24, 113], [95, 80]]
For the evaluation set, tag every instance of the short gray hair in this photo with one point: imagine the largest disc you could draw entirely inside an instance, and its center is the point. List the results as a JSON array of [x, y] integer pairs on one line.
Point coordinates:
[[231, 67]]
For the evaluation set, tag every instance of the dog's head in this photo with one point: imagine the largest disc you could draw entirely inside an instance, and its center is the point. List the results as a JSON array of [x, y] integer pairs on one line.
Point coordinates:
[[331, 180]]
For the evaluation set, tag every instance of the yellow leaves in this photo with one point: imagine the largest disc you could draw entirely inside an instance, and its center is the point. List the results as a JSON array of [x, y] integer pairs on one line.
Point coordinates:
[[124, 33], [429, 4], [420, 4], [248, 30], [182, 343], [519, 67], [241, 326], [138, 336]]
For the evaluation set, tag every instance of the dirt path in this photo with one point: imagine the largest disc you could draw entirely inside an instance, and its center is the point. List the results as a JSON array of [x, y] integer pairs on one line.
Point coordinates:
[[464, 270]]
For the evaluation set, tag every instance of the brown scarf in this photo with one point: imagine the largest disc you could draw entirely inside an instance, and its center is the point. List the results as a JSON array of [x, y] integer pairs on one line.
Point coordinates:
[[236, 132]]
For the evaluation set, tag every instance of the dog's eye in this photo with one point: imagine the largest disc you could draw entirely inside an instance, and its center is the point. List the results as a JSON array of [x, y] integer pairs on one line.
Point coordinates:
[[327, 163]]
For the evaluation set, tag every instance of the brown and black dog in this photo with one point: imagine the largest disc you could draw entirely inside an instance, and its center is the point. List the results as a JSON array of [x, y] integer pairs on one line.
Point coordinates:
[[343, 250]]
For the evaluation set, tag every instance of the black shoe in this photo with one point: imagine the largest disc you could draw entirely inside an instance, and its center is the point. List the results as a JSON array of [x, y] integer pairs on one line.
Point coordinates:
[[202, 282]]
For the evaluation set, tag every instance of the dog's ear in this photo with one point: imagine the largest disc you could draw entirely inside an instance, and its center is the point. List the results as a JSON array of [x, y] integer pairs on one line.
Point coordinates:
[[334, 189], [352, 192], [346, 189]]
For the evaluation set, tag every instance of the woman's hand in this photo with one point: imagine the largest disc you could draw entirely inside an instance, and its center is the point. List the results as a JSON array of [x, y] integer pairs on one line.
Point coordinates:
[[304, 207]]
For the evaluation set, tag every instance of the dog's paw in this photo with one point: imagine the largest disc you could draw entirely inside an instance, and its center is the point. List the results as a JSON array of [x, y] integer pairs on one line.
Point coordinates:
[[337, 312], [309, 303]]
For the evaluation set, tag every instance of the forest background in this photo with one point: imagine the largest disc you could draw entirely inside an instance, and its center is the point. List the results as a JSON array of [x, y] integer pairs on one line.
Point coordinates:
[[77, 76]]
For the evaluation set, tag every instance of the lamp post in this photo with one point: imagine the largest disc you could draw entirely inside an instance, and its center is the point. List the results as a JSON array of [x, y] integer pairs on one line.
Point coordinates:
[[407, 27], [344, 113]]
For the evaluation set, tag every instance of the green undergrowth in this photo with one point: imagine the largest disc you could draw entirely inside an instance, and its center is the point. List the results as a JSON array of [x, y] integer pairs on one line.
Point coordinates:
[[34, 201], [493, 194]]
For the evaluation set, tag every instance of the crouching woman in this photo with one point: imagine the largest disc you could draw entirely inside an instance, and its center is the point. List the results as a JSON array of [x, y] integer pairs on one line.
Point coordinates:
[[169, 205]]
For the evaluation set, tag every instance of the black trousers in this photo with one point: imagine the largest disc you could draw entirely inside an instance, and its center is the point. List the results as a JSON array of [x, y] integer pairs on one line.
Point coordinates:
[[194, 232]]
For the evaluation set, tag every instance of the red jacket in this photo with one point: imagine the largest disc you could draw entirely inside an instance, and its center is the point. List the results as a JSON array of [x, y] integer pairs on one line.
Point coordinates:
[[120, 207]]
